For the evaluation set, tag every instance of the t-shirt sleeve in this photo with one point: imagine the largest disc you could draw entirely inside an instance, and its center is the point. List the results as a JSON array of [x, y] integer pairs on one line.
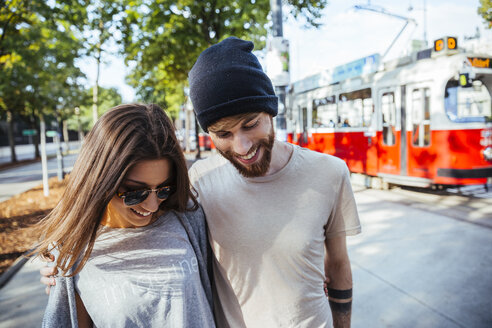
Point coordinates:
[[344, 219]]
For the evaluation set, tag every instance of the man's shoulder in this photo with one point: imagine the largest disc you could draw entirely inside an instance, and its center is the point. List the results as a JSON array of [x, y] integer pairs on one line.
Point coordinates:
[[210, 161], [320, 160], [206, 165]]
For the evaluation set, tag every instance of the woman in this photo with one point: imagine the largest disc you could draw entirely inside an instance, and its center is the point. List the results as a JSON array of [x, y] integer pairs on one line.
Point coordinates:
[[129, 235]]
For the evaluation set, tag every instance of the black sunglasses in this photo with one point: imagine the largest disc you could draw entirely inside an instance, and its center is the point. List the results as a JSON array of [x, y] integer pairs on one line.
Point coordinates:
[[137, 196]]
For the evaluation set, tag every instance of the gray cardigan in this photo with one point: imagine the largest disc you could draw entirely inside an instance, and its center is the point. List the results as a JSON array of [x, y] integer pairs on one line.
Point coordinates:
[[61, 309]]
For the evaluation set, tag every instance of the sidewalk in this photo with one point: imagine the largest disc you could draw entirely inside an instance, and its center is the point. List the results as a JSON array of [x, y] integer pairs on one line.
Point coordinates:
[[416, 268], [22, 299]]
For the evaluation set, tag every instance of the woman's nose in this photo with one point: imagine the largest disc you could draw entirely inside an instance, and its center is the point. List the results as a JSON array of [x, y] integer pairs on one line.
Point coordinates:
[[152, 202]]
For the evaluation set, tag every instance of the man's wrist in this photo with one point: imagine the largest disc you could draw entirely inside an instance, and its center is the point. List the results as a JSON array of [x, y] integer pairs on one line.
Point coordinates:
[[340, 299]]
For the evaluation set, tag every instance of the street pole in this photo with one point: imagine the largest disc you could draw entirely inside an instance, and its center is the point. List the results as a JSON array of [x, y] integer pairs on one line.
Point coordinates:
[[59, 155], [79, 127], [187, 130], [276, 7], [280, 90], [44, 161]]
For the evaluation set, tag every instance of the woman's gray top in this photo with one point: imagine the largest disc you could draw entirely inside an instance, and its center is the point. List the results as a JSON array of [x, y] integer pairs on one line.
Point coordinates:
[[153, 276]]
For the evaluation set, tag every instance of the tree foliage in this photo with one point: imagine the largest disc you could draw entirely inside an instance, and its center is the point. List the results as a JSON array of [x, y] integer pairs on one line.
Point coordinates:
[[485, 10], [38, 48], [37, 53], [163, 38]]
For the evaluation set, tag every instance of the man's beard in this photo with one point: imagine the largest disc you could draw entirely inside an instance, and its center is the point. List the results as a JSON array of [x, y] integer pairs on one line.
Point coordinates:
[[259, 168]]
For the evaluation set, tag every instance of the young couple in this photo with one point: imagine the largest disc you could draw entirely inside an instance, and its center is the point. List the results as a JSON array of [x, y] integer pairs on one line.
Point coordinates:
[[132, 243]]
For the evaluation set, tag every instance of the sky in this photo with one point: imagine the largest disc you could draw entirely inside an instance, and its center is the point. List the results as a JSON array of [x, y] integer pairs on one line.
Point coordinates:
[[346, 35]]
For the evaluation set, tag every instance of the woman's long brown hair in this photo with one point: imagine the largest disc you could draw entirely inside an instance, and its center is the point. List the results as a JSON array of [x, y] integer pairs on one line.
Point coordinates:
[[122, 137]]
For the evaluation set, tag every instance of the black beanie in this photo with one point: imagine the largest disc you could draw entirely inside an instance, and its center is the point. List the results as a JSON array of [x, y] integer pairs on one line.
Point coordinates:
[[227, 79]]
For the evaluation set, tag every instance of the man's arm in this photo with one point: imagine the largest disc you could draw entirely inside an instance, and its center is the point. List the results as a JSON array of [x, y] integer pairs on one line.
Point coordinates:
[[339, 281]]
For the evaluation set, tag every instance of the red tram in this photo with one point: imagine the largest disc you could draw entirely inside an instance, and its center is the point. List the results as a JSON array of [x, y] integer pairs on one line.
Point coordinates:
[[422, 120]]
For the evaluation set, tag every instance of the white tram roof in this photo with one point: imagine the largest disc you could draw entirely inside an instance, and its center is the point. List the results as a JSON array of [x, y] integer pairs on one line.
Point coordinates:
[[362, 66], [415, 67]]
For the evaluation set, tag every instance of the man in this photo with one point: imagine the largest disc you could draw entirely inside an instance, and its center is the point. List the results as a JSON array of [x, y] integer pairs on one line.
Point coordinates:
[[272, 208], [278, 214]]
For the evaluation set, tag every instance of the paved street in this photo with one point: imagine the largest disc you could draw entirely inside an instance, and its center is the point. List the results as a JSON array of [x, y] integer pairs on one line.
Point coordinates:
[[18, 179], [413, 266], [26, 152]]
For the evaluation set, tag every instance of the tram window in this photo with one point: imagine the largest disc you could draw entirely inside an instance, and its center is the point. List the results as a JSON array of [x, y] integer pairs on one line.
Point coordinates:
[[353, 107], [471, 104], [421, 117], [324, 112], [367, 110], [388, 109]]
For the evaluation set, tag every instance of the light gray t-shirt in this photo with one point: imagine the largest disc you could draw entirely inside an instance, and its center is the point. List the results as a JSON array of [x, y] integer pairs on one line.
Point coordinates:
[[143, 277], [268, 235]]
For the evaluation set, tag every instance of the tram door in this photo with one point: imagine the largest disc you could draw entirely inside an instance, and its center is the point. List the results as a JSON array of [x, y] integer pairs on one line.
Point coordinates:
[[420, 153], [390, 134], [403, 132]]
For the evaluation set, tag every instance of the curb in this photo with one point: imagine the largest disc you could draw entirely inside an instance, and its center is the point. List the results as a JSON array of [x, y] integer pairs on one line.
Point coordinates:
[[12, 270]]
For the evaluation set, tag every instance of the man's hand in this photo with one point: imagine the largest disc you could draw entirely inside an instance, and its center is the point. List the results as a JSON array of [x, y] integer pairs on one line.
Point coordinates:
[[48, 273], [325, 285]]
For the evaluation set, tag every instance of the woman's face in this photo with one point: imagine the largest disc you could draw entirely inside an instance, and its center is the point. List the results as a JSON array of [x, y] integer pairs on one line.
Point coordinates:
[[149, 174]]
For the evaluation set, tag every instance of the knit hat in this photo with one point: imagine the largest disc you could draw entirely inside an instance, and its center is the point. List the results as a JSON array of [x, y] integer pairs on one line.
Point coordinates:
[[227, 79]]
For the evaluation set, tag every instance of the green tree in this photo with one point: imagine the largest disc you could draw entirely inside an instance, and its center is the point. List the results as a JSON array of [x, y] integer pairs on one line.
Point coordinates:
[[485, 10], [38, 48], [163, 38]]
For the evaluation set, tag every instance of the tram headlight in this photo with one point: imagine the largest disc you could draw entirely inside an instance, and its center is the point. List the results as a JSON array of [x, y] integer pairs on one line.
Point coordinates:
[[487, 154]]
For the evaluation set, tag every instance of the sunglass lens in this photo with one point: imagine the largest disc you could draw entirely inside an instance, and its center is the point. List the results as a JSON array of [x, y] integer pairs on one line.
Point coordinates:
[[163, 193], [135, 197]]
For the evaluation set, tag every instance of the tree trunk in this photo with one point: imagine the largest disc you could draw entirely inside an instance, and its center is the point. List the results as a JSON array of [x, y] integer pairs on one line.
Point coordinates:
[[65, 136], [35, 138], [37, 153], [95, 100], [10, 133]]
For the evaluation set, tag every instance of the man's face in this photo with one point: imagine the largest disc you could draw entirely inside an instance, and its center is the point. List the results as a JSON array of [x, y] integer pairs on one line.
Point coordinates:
[[247, 145]]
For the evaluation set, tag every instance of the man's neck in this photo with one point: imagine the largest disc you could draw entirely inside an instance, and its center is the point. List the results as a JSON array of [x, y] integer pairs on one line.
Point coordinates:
[[281, 153]]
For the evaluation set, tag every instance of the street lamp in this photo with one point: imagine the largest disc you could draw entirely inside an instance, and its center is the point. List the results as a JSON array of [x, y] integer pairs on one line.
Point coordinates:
[[59, 154]]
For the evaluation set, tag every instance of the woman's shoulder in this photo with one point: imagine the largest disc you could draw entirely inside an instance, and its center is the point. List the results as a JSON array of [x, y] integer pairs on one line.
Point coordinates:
[[195, 215]]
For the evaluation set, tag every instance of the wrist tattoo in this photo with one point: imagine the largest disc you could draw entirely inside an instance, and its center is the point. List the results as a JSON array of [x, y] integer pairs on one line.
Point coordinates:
[[340, 294], [340, 300], [340, 307]]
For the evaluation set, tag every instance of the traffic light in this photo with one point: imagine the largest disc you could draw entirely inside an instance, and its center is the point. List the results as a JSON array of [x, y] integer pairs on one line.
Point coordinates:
[[447, 43]]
